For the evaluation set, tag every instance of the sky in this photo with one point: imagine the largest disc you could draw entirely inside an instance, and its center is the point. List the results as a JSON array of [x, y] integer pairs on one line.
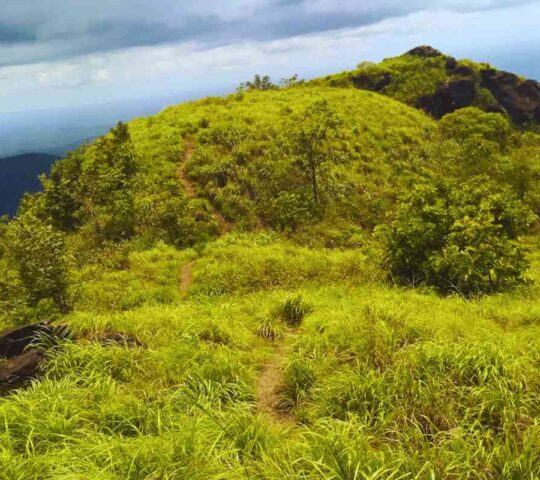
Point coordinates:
[[59, 53]]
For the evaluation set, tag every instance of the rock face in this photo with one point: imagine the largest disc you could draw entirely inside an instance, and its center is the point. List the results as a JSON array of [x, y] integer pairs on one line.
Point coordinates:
[[22, 356], [20, 370], [520, 98], [23, 350], [425, 51], [465, 86], [449, 97], [16, 341]]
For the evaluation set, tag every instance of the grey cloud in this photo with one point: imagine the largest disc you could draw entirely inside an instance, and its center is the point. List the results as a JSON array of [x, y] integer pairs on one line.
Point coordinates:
[[10, 34], [37, 30]]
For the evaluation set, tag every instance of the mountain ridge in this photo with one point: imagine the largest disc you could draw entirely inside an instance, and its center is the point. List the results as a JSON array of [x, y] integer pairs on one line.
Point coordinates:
[[448, 85]]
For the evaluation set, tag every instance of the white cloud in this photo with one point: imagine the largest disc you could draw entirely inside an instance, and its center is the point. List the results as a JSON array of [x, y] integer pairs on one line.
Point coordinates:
[[189, 66]]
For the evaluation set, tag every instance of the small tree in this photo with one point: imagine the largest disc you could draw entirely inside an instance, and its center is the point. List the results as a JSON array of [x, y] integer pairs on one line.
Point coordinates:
[[523, 173], [259, 83], [39, 258], [459, 237], [291, 81], [311, 137]]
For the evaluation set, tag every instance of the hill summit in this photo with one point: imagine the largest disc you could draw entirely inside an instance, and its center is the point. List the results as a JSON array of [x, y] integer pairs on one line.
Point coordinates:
[[440, 84]]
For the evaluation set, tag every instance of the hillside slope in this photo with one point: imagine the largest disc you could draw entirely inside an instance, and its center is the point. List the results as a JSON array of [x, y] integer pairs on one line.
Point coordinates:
[[242, 160]]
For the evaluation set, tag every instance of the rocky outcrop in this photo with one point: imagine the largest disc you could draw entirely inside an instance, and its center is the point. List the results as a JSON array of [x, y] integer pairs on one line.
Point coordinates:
[[520, 98], [448, 98], [465, 86], [376, 83], [23, 350], [22, 353], [514, 96], [16, 341], [20, 370], [424, 51]]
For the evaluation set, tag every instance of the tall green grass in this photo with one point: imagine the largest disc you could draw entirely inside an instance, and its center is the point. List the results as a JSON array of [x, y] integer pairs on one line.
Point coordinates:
[[380, 382]]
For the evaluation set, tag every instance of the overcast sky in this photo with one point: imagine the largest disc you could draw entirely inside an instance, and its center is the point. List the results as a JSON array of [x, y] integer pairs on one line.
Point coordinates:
[[71, 52]]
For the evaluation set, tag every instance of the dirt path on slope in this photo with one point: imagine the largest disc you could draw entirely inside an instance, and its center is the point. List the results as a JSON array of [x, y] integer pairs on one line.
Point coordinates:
[[186, 277], [270, 385], [191, 192]]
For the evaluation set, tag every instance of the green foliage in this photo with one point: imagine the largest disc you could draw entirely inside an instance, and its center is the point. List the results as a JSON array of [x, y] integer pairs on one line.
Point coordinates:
[[252, 263], [523, 173], [254, 159], [294, 309], [39, 257], [459, 237], [406, 78], [379, 382], [311, 133], [473, 125], [259, 83], [94, 188]]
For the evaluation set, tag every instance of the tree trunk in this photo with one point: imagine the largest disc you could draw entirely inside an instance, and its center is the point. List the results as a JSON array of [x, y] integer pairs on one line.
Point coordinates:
[[314, 185]]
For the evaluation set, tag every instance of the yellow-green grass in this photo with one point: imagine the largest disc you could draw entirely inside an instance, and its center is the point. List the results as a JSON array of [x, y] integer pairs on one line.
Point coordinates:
[[381, 382]]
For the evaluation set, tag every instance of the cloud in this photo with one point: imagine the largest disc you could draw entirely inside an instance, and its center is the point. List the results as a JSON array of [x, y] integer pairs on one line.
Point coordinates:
[[36, 31], [193, 59]]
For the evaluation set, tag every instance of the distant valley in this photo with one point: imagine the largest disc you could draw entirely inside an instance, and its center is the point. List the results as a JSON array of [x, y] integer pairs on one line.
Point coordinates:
[[19, 174]]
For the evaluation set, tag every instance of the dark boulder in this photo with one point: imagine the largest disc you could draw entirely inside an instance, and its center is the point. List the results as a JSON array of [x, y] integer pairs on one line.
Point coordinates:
[[459, 93], [20, 370], [425, 51], [451, 64], [16, 341], [376, 83], [463, 70]]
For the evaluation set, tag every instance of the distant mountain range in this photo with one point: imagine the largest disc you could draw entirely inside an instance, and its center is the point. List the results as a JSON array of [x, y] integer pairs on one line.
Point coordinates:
[[19, 174]]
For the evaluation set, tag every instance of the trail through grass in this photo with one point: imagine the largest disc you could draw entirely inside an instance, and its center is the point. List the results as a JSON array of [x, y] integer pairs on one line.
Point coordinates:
[[377, 383], [190, 190], [271, 384], [186, 277]]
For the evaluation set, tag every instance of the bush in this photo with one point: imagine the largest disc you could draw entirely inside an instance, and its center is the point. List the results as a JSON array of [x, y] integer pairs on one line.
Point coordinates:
[[294, 309], [459, 237], [39, 257]]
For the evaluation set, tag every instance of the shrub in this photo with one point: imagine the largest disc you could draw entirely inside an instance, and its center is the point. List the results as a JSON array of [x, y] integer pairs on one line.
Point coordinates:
[[39, 258], [472, 123], [459, 237], [294, 309]]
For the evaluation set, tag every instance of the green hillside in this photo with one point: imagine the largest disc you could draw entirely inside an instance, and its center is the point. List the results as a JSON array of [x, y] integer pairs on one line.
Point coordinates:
[[305, 282]]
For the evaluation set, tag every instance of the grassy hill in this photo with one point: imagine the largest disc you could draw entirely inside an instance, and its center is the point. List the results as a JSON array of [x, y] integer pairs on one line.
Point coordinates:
[[19, 174], [307, 282]]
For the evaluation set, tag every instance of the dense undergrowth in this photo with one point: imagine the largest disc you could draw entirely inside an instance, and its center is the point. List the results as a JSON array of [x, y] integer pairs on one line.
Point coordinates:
[[389, 261]]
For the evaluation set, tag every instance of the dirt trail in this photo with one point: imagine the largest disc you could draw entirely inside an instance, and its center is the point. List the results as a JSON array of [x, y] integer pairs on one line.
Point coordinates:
[[270, 386], [189, 188], [186, 277]]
